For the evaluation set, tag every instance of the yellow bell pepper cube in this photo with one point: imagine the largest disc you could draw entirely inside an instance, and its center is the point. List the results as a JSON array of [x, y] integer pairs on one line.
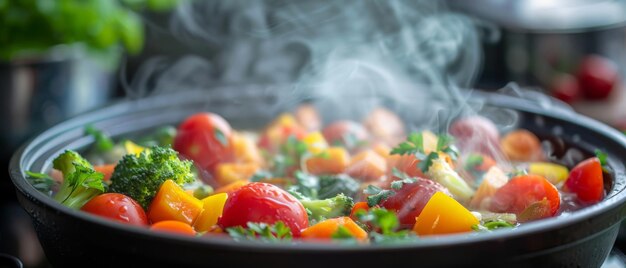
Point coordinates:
[[173, 203], [213, 207], [444, 215], [555, 173], [133, 148], [315, 142], [226, 173]]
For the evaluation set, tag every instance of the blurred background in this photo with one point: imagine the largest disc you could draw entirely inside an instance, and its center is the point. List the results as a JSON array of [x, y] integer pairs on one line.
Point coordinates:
[[62, 58]]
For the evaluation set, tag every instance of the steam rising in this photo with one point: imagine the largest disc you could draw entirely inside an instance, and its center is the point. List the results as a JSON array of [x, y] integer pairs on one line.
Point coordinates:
[[411, 56]]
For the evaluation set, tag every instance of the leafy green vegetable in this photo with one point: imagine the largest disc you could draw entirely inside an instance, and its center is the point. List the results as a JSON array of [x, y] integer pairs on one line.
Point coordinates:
[[602, 156], [342, 233], [306, 184], [261, 231], [332, 185], [445, 144], [376, 195], [492, 225], [387, 224], [413, 145], [103, 142], [337, 206], [260, 176], [141, 176], [441, 172], [202, 191], [427, 161], [163, 136], [42, 182], [80, 181], [397, 184]]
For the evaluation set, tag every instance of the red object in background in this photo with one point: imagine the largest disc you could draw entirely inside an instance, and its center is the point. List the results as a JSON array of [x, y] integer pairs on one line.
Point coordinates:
[[597, 76], [565, 87]]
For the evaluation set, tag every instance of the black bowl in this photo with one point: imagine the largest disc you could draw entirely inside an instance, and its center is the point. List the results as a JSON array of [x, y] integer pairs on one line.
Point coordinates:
[[71, 238]]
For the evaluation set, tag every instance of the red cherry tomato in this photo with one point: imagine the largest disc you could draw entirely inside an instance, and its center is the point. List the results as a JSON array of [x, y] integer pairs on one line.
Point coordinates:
[[263, 202], [409, 200], [586, 181], [523, 191], [597, 77], [117, 207], [565, 87], [345, 133], [205, 139]]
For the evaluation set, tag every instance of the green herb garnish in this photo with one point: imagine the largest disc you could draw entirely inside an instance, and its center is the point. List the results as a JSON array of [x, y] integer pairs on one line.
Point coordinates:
[[376, 195], [261, 231], [413, 145]]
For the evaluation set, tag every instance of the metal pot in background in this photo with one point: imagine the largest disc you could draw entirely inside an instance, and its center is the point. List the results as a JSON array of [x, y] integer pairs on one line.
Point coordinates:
[[36, 93], [539, 39]]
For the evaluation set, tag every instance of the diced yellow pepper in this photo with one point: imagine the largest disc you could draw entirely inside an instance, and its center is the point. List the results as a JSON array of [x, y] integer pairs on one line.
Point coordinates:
[[315, 142], [213, 207], [553, 172], [173, 203], [444, 215], [226, 173], [133, 148]]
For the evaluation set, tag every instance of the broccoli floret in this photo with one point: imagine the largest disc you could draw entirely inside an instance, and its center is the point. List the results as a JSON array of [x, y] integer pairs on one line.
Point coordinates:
[[141, 176], [80, 181], [65, 162], [330, 186], [337, 206]]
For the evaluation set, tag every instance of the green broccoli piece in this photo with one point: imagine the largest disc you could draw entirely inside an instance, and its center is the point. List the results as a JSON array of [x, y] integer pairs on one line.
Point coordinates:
[[333, 207], [80, 181], [141, 176], [330, 186]]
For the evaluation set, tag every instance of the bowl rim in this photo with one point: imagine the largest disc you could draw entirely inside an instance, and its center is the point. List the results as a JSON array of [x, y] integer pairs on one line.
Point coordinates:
[[613, 201]]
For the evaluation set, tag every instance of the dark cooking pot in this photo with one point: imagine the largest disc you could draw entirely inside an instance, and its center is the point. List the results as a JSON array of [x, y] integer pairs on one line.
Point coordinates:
[[72, 238]]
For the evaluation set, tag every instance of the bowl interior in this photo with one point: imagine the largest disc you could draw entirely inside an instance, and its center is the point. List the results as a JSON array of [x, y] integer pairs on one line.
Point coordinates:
[[252, 108]]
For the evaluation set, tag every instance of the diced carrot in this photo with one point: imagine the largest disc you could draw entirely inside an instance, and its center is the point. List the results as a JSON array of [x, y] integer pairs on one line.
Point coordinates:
[[325, 229], [213, 207], [226, 173], [176, 227], [244, 150], [444, 215], [315, 142], [233, 186], [367, 165], [358, 206], [173, 203], [279, 130], [492, 181], [333, 160], [308, 117], [382, 150], [107, 170], [522, 145]]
